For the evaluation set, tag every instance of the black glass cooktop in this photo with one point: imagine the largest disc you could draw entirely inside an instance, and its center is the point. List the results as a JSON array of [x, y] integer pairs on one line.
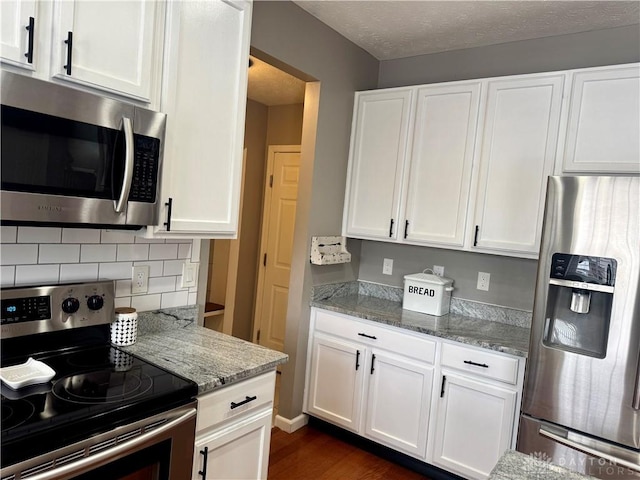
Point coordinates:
[[95, 389]]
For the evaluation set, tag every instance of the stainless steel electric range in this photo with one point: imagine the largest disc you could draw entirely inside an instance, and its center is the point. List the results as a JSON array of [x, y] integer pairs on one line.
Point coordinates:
[[105, 413]]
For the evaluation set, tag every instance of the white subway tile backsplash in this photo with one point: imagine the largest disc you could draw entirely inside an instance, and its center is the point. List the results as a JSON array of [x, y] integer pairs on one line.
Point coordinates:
[[174, 240], [162, 284], [117, 236], [8, 234], [80, 272], [155, 267], [145, 303], [184, 250], [123, 288], [7, 276], [18, 254], [122, 302], [43, 255], [173, 267], [98, 253], [132, 251], [175, 299], [59, 253], [37, 274], [80, 235], [163, 252], [115, 271], [39, 235]]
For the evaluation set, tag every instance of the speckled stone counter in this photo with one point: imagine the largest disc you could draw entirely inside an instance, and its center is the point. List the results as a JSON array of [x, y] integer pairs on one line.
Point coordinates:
[[482, 332], [518, 466], [172, 339]]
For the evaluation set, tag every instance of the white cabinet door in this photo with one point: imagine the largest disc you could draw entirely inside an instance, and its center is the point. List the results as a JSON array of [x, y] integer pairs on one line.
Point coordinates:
[[104, 44], [474, 426], [441, 160], [398, 404], [17, 26], [516, 152], [336, 381], [204, 96], [604, 121], [379, 142], [239, 451]]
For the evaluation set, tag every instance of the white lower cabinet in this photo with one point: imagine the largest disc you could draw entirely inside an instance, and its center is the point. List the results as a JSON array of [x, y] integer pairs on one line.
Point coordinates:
[[474, 425], [233, 431], [442, 402]]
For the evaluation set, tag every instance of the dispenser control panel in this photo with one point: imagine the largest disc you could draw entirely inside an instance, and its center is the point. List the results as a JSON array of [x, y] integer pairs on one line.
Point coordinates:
[[584, 269]]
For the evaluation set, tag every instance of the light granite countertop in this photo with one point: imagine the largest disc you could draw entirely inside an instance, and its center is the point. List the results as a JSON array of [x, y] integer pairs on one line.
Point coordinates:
[[481, 332], [518, 466], [171, 339]]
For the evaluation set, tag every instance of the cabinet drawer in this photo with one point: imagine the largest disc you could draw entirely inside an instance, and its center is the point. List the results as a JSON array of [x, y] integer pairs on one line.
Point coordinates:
[[227, 403], [483, 363], [393, 339]]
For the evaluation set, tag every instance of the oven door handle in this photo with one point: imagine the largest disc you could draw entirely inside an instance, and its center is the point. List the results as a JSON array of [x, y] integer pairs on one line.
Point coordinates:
[[103, 457], [588, 449], [128, 165]]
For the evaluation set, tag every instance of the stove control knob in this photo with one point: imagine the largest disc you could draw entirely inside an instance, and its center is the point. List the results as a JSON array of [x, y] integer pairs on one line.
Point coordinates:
[[70, 305], [95, 302]]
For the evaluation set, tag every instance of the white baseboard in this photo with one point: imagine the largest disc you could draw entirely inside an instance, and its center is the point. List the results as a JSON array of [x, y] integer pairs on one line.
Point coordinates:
[[292, 425]]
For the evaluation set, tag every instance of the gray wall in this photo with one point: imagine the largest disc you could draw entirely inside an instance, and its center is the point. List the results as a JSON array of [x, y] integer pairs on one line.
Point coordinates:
[[307, 48], [512, 279], [579, 50]]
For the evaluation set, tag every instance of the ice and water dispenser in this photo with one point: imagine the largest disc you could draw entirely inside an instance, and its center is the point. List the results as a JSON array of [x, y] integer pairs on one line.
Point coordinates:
[[579, 301]]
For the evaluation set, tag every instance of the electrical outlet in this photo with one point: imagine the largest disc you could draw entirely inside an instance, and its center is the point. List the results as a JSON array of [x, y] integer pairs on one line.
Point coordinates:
[[387, 266], [189, 274], [483, 280], [140, 279], [438, 270]]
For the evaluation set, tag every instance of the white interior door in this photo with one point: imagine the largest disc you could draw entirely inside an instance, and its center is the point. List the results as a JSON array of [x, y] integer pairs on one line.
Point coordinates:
[[278, 222]]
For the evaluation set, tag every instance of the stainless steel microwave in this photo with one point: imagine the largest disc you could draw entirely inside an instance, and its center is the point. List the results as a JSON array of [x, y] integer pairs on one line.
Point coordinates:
[[73, 158]]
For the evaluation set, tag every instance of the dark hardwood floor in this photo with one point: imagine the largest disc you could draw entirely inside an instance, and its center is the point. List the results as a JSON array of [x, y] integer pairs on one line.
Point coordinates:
[[311, 453]]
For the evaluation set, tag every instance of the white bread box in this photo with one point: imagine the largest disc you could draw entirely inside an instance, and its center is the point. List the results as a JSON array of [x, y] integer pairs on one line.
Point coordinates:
[[427, 293]]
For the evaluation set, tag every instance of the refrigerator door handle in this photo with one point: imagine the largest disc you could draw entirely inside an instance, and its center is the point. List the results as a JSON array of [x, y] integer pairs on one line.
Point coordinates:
[[590, 449], [636, 393]]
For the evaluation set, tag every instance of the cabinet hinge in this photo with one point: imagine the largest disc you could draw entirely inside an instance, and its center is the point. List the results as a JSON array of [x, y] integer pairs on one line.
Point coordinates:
[[271, 181], [264, 260], [258, 336]]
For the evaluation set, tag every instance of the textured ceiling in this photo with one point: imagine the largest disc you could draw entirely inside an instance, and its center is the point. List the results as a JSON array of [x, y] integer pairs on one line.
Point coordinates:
[[271, 86], [397, 29]]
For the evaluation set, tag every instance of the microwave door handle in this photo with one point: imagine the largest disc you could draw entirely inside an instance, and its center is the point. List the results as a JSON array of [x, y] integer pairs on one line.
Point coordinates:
[[121, 203], [588, 449]]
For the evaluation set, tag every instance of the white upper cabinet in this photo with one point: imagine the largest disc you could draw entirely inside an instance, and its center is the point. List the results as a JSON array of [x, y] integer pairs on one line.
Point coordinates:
[[516, 155], [441, 162], [204, 95], [108, 45], [604, 121], [17, 32], [379, 142]]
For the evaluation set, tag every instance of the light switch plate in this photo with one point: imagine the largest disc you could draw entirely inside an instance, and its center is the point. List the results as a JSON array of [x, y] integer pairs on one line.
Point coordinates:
[[189, 274], [387, 266]]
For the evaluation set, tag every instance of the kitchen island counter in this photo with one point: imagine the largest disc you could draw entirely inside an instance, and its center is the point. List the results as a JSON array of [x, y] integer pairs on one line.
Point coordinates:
[[480, 332], [171, 339]]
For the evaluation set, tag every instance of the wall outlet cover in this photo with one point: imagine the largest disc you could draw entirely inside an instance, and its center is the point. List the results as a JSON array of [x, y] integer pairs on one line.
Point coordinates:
[[387, 266], [140, 279], [483, 281], [438, 270]]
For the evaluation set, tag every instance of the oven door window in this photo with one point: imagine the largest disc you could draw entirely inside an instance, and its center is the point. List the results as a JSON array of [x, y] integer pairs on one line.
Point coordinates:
[[51, 155], [151, 463]]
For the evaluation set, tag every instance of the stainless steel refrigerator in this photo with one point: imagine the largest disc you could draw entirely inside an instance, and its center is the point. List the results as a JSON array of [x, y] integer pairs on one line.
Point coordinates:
[[581, 404]]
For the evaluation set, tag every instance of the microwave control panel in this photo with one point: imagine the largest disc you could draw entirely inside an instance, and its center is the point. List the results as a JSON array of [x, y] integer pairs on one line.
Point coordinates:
[[145, 169]]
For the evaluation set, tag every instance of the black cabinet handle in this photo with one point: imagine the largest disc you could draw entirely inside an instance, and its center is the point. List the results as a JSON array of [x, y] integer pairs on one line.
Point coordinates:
[[475, 238], [391, 228], [69, 42], [169, 204], [406, 228], [357, 359], [243, 402], [368, 336], [30, 28], [373, 360], [483, 365], [444, 380], [205, 454]]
